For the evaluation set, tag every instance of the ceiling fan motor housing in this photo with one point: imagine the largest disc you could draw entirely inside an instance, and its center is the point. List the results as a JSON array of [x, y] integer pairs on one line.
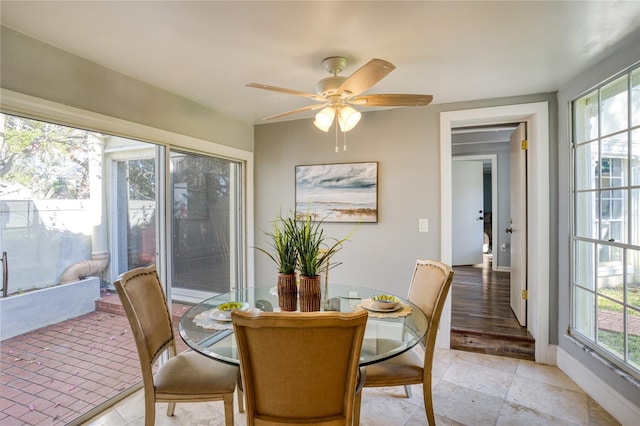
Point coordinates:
[[334, 64], [330, 86]]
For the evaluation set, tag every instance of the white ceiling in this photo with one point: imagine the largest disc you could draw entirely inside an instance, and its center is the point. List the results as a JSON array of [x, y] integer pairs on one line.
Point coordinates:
[[208, 50]]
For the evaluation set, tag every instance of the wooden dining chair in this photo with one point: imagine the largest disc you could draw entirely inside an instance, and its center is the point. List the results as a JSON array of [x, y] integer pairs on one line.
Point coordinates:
[[187, 377], [299, 367], [430, 285]]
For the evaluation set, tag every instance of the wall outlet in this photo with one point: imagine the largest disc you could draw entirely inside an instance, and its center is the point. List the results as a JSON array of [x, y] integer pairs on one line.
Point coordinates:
[[423, 225]]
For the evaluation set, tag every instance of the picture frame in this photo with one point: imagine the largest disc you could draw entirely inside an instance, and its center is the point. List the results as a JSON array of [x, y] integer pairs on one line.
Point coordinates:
[[341, 192]]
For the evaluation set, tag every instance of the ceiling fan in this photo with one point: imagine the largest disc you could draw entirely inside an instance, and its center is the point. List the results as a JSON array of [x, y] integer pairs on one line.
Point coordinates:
[[336, 94]]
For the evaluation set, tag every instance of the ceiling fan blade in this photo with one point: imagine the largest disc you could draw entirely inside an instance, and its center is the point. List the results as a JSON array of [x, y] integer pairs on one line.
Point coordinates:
[[295, 111], [366, 76], [287, 91], [391, 100]]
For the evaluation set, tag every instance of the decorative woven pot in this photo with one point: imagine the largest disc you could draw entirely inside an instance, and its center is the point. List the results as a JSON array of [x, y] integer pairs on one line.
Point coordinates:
[[287, 292], [309, 293]]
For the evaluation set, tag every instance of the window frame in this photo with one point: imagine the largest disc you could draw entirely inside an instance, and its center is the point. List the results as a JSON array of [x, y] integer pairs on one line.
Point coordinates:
[[597, 241]]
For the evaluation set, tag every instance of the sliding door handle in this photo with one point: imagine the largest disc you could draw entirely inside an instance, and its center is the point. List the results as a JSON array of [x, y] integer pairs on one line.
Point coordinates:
[[5, 274]]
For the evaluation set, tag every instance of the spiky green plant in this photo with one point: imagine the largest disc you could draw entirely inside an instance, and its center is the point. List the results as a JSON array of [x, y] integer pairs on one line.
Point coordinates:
[[282, 243], [312, 246]]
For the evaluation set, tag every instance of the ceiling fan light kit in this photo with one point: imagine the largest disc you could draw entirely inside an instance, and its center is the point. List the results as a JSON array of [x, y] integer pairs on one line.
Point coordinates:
[[338, 93], [324, 119], [348, 118]]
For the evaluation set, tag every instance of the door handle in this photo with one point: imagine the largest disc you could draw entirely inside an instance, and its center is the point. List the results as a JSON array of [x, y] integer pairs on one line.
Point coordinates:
[[509, 230], [5, 274]]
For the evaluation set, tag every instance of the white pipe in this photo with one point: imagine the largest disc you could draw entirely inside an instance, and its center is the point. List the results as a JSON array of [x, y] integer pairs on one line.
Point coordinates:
[[84, 268]]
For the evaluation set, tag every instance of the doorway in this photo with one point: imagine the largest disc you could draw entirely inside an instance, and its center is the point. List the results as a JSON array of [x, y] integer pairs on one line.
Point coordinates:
[[536, 117], [488, 212], [482, 316]]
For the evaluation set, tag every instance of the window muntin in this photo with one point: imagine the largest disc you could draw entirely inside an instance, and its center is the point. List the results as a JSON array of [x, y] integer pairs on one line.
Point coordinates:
[[605, 253]]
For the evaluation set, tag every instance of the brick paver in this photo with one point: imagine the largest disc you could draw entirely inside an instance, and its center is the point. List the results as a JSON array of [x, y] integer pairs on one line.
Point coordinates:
[[55, 374], [614, 321]]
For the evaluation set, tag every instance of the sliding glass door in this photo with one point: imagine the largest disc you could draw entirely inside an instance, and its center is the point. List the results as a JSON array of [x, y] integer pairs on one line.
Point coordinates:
[[78, 208], [205, 225]]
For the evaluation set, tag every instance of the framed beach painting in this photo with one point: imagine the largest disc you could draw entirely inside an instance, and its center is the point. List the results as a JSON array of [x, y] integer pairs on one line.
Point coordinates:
[[346, 192]]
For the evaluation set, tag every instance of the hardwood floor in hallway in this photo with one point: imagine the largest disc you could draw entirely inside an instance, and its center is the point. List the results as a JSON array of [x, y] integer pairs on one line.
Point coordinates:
[[481, 315]]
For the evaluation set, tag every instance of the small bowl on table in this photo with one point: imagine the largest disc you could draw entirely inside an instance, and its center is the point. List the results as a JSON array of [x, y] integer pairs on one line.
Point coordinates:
[[226, 308], [385, 301]]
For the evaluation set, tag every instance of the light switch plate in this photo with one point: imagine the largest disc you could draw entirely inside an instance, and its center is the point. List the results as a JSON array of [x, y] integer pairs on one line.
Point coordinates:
[[423, 225]]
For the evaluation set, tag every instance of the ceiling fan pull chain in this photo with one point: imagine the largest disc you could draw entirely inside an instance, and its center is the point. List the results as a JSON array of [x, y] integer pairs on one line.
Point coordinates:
[[344, 147], [337, 149]]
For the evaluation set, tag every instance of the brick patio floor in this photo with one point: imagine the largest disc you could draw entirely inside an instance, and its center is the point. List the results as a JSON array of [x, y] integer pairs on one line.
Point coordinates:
[[53, 375]]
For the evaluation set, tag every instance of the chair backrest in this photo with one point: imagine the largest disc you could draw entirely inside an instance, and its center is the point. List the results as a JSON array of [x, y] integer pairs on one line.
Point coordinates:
[[430, 285], [299, 367], [144, 303]]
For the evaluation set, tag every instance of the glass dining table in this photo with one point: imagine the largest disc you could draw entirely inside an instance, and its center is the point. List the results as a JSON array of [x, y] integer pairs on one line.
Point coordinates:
[[388, 332]]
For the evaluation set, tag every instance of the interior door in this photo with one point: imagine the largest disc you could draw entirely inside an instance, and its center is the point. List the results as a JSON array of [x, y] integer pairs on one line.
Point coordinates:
[[518, 223], [468, 219]]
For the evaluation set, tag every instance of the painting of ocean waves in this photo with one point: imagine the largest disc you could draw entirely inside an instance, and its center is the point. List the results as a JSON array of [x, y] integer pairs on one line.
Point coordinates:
[[338, 192]]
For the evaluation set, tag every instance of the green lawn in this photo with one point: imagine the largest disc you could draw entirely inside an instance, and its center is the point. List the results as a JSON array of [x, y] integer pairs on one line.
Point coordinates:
[[615, 343], [633, 299]]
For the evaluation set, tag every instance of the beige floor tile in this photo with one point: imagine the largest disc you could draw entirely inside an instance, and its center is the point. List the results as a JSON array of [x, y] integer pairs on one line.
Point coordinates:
[[110, 418], [499, 363], [513, 414], [550, 399], [598, 416], [546, 374], [466, 406], [477, 377], [387, 406], [468, 389]]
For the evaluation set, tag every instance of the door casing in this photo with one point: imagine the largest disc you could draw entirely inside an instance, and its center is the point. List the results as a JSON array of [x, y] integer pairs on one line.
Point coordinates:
[[536, 115]]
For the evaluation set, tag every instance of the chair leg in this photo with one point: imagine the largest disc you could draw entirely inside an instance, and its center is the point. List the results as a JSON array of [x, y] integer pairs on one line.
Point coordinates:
[[240, 400], [356, 408], [171, 408], [228, 409], [149, 411], [428, 402], [407, 390]]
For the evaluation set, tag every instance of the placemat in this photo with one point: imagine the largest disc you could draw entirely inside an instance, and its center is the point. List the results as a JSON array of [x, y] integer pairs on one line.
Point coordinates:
[[206, 320], [402, 312]]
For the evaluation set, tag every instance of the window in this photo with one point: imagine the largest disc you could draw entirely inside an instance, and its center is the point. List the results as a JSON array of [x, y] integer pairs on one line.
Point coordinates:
[[605, 248]]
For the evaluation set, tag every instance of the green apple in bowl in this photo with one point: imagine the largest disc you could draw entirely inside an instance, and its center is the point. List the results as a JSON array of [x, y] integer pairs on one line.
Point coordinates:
[[385, 301], [227, 307]]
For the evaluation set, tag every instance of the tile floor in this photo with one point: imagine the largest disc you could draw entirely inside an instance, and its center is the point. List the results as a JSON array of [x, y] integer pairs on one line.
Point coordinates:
[[468, 389]]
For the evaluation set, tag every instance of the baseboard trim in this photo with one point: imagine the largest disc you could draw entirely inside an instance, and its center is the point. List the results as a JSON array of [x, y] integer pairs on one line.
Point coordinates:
[[616, 404]]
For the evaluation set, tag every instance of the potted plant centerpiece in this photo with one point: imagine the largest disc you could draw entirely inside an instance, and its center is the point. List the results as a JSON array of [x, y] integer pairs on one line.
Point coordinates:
[[313, 256], [285, 256]]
